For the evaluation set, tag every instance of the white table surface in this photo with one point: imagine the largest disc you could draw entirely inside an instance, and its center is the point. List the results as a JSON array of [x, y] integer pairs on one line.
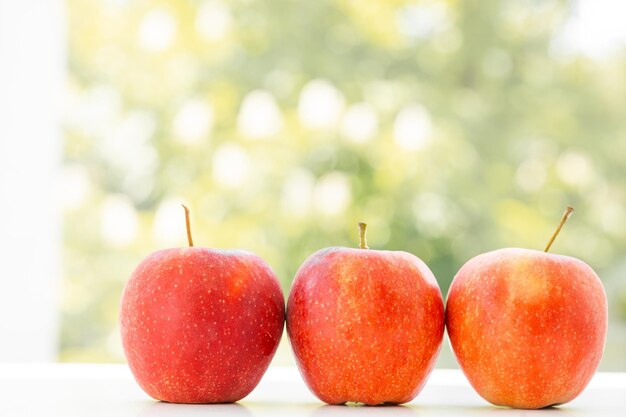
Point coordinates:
[[72, 390]]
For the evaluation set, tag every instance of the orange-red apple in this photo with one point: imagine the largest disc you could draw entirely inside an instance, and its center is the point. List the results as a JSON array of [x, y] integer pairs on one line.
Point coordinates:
[[365, 325], [527, 327], [201, 325]]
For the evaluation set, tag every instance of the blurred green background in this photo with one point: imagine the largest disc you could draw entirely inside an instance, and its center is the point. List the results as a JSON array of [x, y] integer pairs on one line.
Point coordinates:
[[451, 127]]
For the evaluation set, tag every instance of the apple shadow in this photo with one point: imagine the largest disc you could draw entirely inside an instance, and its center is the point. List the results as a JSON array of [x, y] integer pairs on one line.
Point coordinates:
[[507, 411], [494, 411], [160, 408], [362, 410]]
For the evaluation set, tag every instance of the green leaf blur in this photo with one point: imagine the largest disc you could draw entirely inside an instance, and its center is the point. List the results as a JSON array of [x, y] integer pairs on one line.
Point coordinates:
[[451, 127]]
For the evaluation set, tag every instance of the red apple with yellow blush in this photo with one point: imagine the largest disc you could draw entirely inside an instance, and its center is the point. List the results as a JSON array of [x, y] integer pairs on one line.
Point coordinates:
[[201, 325], [365, 325], [527, 327]]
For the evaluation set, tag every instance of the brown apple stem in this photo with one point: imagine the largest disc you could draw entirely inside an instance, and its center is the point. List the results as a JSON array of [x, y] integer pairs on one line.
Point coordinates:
[[568, 212], [362, 238], [188, 224]]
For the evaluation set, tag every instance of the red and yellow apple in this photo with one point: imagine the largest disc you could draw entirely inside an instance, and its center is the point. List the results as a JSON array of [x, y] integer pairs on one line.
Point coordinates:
[[201, 325], [365, 325], [527, 327]]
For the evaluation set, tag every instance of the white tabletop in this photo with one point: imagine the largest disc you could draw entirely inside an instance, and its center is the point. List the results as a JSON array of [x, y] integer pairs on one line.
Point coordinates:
[[70, 390]]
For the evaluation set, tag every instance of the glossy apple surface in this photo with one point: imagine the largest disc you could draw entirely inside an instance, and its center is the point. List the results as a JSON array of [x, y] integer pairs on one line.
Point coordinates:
[[528, 328], [365, 325], [200, 325]]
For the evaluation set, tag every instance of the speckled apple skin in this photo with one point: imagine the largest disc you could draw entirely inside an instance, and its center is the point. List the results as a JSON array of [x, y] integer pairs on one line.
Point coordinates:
[[201, 325], [365, 325], [528, 328]]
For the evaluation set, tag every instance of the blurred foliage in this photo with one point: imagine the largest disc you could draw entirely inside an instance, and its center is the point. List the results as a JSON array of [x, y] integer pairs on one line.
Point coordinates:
[[451, 127]]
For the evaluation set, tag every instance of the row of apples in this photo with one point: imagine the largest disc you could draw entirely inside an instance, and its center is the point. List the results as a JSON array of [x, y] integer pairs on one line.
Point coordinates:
[[201, 325]]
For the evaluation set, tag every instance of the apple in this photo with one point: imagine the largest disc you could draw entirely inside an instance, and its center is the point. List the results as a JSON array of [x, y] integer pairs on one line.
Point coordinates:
[[527, 327], [365, 325], [201, 325]]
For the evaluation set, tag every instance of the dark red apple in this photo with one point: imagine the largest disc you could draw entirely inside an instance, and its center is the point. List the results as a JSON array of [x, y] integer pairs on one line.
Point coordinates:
[[527, 327], [365, 325], [201, 325]]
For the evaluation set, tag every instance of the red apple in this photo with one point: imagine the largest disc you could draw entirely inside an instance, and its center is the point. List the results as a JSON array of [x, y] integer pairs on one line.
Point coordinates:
[[527, 327], [365, 325], [201, 325]]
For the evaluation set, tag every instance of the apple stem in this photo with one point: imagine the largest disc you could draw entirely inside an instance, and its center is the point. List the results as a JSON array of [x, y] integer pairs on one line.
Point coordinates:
[[568, 212], [188, 224], [362, 238]]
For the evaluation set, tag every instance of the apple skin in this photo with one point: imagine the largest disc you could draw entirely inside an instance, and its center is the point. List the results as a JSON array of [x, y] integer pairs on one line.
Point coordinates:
[[365, 325], [528, 328], [200, 325]]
